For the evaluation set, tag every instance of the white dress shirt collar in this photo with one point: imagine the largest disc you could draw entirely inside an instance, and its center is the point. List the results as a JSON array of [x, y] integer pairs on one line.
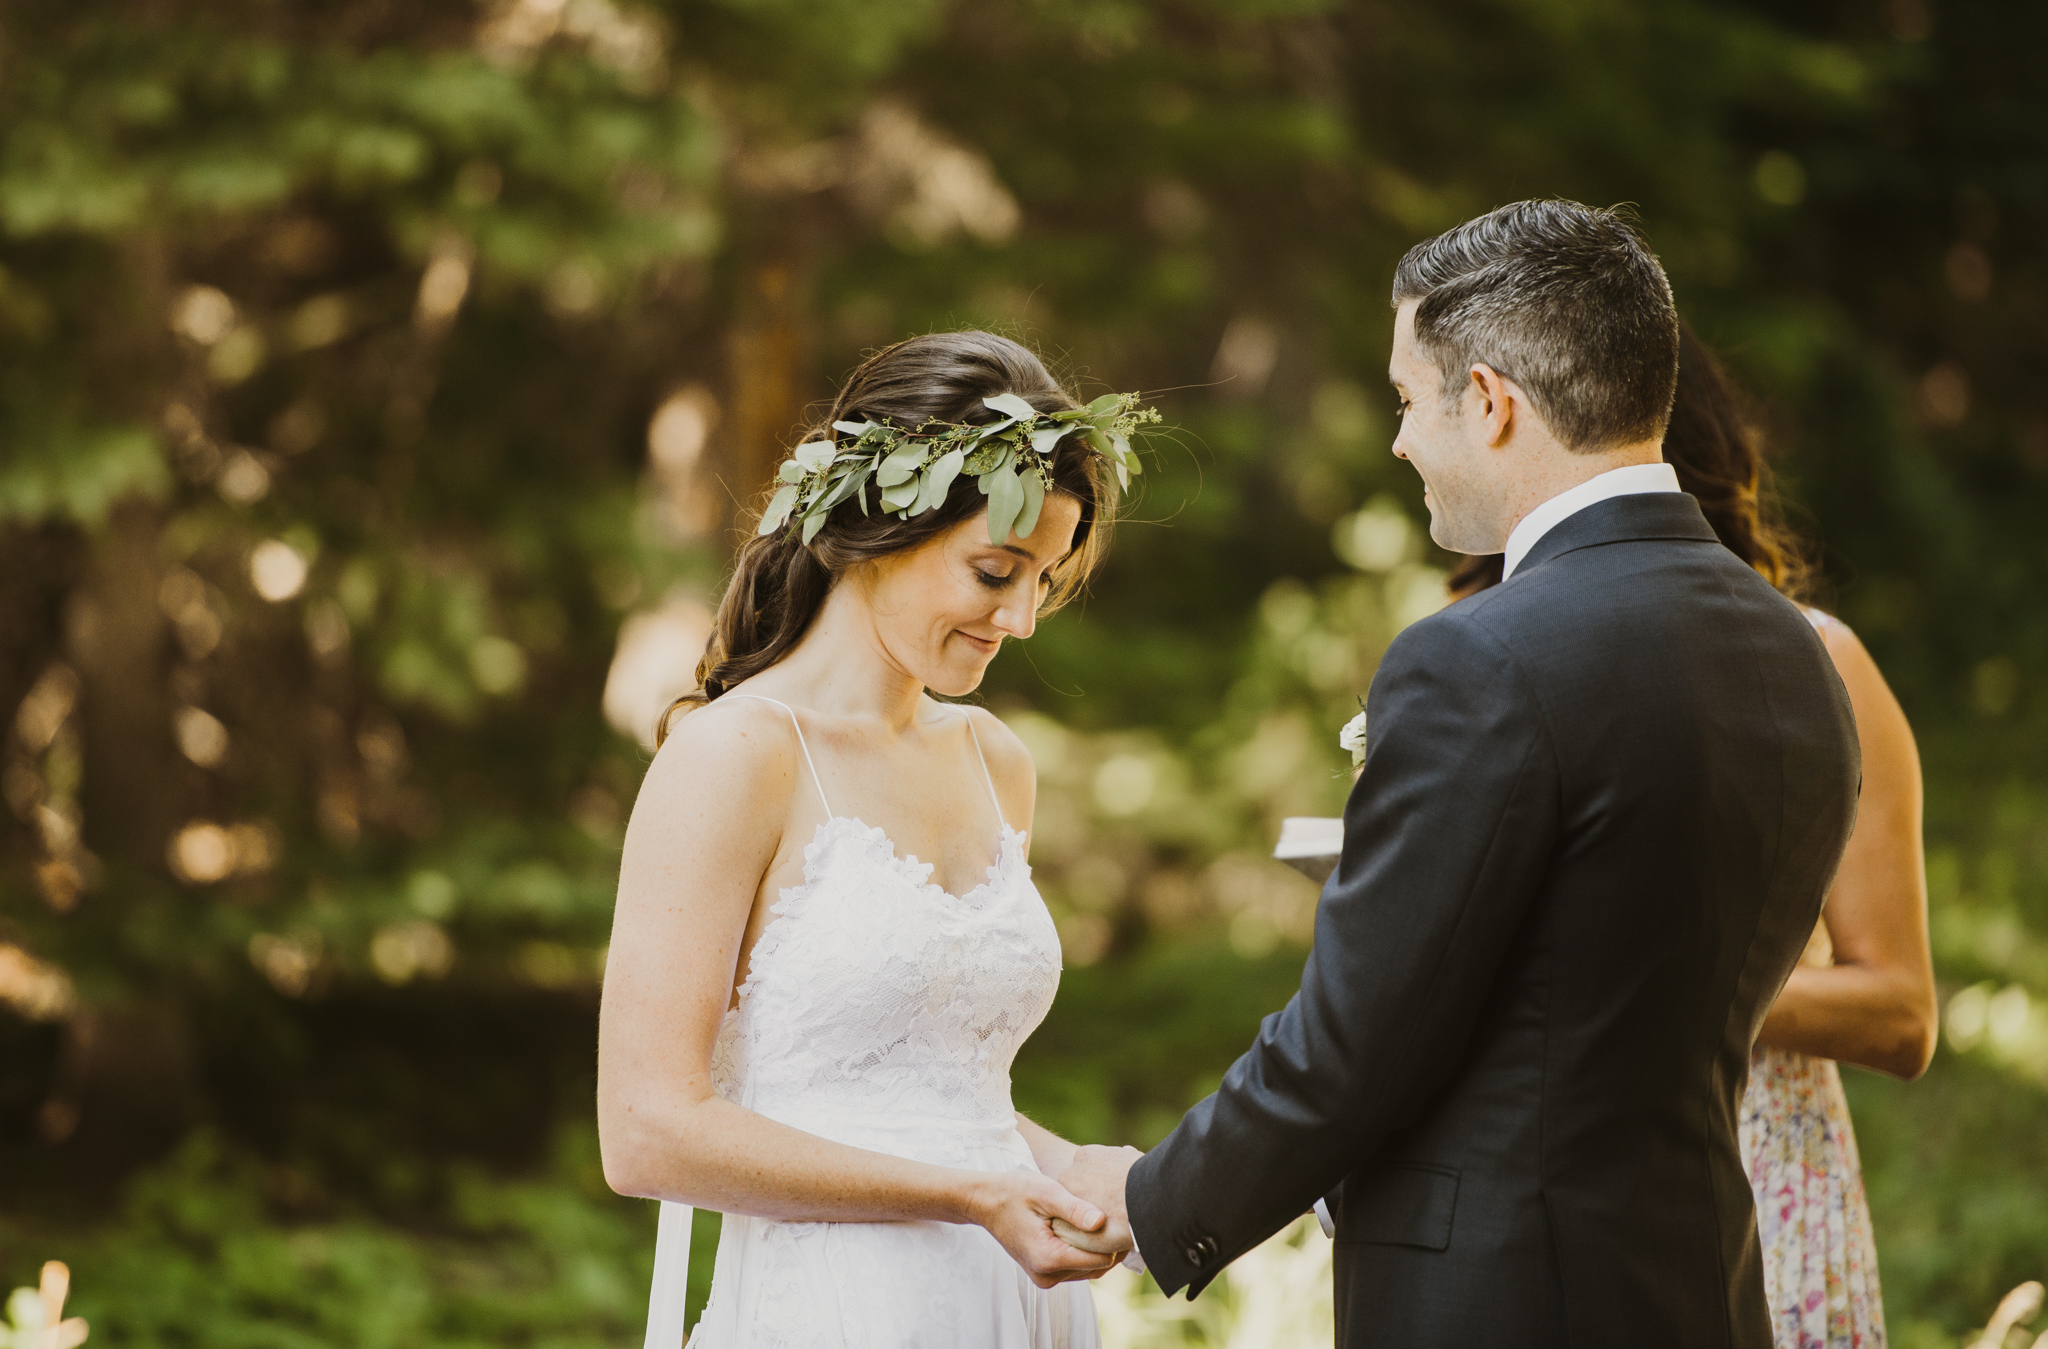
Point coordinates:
[[1633, 480]]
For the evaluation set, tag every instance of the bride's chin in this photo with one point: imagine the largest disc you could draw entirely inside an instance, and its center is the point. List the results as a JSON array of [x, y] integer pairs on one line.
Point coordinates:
[[954, 684], [957, 678]]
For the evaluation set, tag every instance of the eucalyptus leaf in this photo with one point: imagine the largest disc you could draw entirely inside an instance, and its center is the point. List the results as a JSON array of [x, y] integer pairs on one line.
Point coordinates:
[[845, 488], [1109, 402], [1013, 406], [1005, 500], [1034, 501], [900, 496], [791, 471], [777, 513], [988, 457], [1045, 437], [816, 454], [813, 522], [939, 477], [898, 466], [1099, 443]]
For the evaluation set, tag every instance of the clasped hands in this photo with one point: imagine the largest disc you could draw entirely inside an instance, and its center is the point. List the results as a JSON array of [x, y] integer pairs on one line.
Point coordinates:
[[1074, 1226]]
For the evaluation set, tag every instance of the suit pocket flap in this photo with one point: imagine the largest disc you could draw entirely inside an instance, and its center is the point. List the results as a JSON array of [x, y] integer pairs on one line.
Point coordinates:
[[1400, 1206]]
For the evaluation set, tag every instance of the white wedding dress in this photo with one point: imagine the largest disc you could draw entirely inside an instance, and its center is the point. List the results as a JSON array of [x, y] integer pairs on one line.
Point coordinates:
[[882, 1012]]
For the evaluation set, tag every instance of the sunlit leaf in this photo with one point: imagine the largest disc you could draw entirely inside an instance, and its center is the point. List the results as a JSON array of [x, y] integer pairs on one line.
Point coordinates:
[[1012, 406], [1043, 438], [777, 513]]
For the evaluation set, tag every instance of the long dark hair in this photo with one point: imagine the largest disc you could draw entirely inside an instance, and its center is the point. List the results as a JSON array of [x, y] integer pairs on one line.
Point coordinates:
[[779, 583], [1714, 446]]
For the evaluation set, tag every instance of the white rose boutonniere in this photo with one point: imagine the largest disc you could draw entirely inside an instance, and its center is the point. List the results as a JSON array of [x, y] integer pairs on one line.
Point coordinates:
[[1352, 737]]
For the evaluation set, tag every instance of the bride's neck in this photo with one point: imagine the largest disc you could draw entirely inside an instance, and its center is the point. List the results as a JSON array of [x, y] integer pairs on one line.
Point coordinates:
[[843, 668]]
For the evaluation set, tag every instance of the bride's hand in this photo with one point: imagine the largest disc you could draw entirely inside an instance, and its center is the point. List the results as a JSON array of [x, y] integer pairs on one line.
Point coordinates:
[[1017, 1208]]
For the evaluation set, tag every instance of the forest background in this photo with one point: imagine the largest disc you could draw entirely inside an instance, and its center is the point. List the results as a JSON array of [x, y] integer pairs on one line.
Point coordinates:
[[382, 387]]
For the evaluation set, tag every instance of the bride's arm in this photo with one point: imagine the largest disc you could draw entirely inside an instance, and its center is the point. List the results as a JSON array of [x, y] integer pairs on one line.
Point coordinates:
[[1016, 782], [704, 831], [1052, 1153]]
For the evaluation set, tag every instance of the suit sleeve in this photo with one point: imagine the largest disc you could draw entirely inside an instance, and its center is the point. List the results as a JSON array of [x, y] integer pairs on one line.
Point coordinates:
[[1447, 836]]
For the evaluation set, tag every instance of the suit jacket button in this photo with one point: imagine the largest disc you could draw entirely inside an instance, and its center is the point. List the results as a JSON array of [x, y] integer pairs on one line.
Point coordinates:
[[1196, 1255]]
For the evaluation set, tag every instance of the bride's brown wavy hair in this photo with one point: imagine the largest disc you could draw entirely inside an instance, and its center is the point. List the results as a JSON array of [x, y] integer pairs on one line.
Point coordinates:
[[779, 583], [1714, 446]]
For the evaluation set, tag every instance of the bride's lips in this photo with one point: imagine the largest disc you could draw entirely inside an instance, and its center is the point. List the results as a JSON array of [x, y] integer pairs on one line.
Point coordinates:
[[982, 644]]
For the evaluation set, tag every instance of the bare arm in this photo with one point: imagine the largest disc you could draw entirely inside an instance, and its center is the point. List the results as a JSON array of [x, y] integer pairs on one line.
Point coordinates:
[[1875, 1005], [705, 833], [1052, 1153], [1016, 782]]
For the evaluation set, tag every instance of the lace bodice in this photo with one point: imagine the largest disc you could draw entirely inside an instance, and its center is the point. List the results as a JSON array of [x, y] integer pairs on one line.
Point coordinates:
[[881, 1010]]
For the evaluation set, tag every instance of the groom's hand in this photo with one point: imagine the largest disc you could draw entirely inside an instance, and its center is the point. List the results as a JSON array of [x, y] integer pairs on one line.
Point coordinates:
[[1097, 1176]]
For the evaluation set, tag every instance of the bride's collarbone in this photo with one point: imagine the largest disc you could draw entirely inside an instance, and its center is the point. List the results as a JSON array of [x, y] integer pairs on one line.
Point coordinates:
[[926, 790]]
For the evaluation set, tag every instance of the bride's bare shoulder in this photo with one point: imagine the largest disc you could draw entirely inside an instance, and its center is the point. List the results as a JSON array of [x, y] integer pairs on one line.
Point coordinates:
[[1009, 758], [734, 756]]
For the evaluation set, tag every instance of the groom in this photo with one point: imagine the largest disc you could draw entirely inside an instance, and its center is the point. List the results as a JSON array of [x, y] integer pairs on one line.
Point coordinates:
[[1600, 807]]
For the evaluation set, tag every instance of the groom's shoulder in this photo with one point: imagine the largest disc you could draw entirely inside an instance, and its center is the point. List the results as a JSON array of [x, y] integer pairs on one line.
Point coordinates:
[[1461, 637]]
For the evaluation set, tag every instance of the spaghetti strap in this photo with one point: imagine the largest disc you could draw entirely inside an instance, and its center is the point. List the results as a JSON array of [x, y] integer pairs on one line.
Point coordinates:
[[805, 746], [985, 776]]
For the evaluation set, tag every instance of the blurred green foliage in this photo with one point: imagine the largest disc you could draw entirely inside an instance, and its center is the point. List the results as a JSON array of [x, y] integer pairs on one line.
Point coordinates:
[[375, 380]]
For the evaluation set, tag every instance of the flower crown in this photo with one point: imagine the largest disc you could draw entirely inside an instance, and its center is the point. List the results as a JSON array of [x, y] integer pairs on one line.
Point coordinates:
[[1011, 459]]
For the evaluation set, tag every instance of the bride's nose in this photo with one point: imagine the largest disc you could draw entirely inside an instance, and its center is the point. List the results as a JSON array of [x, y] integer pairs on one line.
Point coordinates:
[[1017, 616]]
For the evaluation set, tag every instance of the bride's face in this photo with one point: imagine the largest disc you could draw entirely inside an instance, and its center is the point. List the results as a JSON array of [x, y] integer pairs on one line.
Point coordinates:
[[942, 610]]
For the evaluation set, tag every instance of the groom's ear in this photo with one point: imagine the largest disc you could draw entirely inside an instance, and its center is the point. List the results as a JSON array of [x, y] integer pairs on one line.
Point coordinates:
[[1499, 404]]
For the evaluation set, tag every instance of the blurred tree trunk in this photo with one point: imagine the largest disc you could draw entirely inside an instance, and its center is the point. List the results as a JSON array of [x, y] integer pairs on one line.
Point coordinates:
[[117, 639], [771, 346], [37, 563]]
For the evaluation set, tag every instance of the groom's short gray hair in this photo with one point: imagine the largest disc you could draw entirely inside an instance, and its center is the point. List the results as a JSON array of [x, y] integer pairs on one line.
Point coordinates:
[[1567, 301]]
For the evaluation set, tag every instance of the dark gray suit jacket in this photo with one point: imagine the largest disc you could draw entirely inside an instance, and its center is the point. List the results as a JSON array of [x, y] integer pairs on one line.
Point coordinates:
[[1601, 805]]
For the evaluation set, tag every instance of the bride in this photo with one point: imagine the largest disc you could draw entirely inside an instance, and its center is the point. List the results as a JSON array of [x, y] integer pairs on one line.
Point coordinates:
[[804, 1025]]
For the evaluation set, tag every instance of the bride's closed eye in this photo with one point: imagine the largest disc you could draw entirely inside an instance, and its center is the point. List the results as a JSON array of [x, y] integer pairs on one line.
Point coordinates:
[[997, 582]]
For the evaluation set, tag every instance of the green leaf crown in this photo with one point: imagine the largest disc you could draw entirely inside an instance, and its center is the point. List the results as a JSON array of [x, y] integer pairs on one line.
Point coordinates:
[[911, 471]]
